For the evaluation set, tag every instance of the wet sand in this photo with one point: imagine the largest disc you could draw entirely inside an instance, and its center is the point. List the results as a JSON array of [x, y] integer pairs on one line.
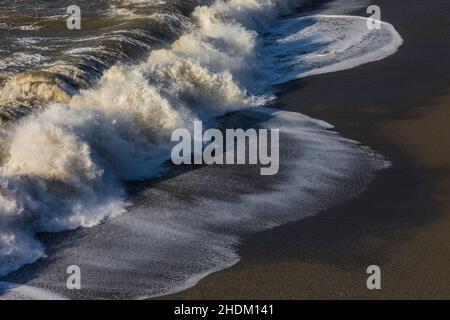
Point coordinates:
[[400, 107]]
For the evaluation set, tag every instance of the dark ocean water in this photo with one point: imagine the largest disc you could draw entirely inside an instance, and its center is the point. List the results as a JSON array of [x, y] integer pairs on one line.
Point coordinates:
[[34, 38]]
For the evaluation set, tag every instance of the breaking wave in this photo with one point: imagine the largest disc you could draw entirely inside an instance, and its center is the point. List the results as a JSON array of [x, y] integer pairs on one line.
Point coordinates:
[[63, 164]]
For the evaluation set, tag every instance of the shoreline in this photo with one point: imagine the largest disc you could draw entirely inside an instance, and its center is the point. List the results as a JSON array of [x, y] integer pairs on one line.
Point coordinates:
[[214, 251], [397, 106]]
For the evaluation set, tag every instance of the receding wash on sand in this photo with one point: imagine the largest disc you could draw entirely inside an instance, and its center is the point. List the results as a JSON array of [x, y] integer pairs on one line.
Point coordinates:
[[91, 114]]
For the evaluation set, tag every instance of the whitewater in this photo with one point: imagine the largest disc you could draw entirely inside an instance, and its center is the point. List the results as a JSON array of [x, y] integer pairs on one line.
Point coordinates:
[[90, 153]]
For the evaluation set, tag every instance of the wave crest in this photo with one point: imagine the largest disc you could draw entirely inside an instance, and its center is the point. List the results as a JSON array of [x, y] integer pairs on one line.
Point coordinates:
[[26, 90]]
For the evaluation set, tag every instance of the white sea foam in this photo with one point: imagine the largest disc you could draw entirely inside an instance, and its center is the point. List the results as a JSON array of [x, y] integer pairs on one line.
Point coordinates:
[[13, 291], [20, 59], [30, 27], [327, 43], [62, 168], [188, 226]]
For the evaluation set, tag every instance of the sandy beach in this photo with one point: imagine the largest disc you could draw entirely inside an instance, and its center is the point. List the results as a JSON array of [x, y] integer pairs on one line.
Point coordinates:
[[399, 107]]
